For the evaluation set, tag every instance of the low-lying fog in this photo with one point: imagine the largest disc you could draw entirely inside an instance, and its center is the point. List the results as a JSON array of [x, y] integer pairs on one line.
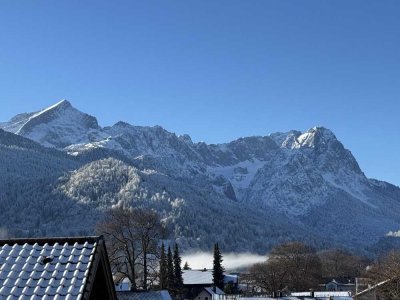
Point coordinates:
[[231, 261]]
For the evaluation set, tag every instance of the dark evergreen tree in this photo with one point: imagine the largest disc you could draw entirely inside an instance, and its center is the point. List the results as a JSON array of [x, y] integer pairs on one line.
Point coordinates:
[[163, 268], [170, 271], [218, 269], [177, 269], [186, 266], [230, 289]]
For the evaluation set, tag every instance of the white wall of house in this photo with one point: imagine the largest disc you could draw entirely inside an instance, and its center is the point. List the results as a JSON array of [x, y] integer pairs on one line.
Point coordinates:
[[123, 286], [204, 295]]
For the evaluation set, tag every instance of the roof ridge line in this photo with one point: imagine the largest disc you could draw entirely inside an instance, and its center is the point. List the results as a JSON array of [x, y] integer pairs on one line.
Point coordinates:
[[51, 240]]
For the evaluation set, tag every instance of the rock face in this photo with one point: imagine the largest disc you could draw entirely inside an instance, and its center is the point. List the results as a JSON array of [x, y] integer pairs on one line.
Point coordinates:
[[278, 187]]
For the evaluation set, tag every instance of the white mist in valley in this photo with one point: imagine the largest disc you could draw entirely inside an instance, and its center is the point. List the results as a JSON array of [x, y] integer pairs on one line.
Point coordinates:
[[231, 261]]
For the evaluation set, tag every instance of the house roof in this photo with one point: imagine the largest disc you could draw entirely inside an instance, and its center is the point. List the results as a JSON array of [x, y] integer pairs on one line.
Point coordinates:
[[197, 277], [340, 281], [214, 291], [268, 298], [51, 268], [150, 295], [324, 294], [204, 277]]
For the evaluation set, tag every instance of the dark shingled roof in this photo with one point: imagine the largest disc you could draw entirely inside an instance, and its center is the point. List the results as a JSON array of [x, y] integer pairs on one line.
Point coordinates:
[[50, 268]]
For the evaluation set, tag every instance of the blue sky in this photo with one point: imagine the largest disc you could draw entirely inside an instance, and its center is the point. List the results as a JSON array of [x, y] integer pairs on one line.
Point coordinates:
[[216, 70]]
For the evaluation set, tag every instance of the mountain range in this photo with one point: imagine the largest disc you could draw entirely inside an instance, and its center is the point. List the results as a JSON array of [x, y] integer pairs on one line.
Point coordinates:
[[60, 171]]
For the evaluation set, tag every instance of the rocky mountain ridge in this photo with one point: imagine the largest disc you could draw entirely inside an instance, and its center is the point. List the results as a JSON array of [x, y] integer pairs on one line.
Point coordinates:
[[305, 179]]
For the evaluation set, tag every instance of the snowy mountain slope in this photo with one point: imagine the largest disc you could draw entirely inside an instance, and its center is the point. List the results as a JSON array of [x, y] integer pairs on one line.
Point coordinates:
[[16, 122], [47, 192], [305, 179], [28, 172], [315, 166], [56, 126], [191, 212]]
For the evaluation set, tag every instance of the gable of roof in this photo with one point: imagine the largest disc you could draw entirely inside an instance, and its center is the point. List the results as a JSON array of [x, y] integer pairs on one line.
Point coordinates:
[[214, 291], [150, 295], [340, 280], [46, 268]]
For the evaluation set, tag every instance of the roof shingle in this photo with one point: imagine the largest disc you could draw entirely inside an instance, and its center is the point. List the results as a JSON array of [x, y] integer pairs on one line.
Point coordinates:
[[55, 268]]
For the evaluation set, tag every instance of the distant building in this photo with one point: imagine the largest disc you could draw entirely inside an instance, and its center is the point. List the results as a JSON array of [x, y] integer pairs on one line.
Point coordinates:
[[55, 268], [341, 284], [149, 295], [210, 293], [123, 285], [196, 280], [325, 295], [204, 278]]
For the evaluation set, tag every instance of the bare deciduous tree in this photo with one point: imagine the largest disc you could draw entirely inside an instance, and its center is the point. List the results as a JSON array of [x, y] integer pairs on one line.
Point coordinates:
[[340, 263], [301, 263], [267, 277], [387, 270], [131, 236], [292, 266], [149, 230]]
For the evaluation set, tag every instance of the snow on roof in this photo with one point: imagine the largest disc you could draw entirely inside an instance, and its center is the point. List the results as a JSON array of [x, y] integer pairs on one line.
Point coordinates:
[[332, 294], [341, 282], [233, 278], [214, 291], [268, 298], [204, 277], [323, 294], [197, 277], [45, 268], [255, 298], [150, 295]]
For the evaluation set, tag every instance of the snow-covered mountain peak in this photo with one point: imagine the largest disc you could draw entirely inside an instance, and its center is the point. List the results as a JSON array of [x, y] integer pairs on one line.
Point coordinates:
[[58, 125], [186, 138], [62, 104], [323, 132], [314, 137], [122, 124], [311, 138]]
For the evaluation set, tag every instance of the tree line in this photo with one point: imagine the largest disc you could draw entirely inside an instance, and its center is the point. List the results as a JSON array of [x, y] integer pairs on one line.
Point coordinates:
[[135, 251], [170, 274], [386, 270], [133, 238], [296, 267]]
